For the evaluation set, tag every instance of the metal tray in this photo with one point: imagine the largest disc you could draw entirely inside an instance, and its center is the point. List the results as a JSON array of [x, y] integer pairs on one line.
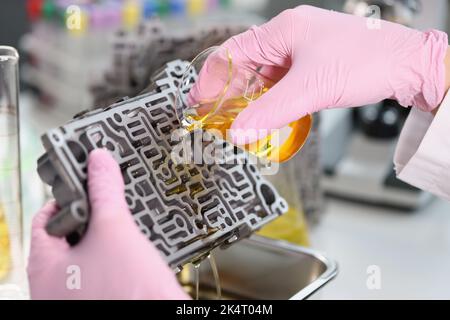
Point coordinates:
[[262, 269]]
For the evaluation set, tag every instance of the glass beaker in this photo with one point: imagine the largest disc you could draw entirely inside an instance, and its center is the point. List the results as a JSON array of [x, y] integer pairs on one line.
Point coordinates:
[[11, 259], [214, 90], [292, 226]]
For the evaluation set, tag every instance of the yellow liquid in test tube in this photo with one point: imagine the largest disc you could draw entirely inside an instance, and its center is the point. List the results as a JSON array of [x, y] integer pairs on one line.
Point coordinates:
[[131, 14], [77, 23], [196, 7], [278, 147], [5, 254], [290, 227]]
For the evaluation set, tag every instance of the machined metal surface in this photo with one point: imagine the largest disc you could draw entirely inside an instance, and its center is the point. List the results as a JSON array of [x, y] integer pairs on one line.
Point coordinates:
[[262, 269], [138, 53], [186, 209]]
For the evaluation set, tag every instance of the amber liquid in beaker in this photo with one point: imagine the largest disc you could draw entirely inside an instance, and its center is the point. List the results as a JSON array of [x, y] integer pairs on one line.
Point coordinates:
[[279, 147]]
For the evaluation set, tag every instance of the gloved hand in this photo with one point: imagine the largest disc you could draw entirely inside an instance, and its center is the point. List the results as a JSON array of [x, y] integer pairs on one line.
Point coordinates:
[[325, 59], [113, 261]]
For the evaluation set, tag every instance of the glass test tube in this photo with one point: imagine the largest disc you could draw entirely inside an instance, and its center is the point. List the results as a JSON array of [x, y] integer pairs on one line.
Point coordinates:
[[11, 259]]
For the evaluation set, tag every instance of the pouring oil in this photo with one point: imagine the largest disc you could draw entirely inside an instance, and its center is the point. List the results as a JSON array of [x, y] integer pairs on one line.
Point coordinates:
[[278, 147], [215, 272]]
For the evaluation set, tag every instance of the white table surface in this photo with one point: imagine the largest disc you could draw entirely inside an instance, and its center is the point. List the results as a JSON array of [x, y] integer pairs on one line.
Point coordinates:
[[411, 250]]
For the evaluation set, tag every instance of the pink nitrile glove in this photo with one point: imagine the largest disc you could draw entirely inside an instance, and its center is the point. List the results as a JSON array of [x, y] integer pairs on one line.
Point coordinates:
[[114, 260], [325, 59]]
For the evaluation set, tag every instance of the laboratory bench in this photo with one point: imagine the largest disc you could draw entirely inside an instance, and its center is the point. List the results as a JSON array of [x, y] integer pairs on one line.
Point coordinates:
[[410, 249]]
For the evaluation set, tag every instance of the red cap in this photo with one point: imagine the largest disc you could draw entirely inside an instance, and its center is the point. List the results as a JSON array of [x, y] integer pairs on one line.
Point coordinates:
[[34, 9]]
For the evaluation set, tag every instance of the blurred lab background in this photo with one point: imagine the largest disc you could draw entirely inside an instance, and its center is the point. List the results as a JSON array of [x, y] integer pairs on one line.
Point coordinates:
[[345, 198]]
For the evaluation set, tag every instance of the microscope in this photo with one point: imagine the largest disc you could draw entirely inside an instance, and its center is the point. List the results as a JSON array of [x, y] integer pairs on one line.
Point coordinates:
[[358, 145]]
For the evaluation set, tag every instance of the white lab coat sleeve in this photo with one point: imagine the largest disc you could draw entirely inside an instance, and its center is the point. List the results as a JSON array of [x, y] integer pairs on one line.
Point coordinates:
[[422, 158]]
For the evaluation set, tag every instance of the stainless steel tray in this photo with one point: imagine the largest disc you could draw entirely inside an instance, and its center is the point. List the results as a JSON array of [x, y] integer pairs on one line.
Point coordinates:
[[262, 269]]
